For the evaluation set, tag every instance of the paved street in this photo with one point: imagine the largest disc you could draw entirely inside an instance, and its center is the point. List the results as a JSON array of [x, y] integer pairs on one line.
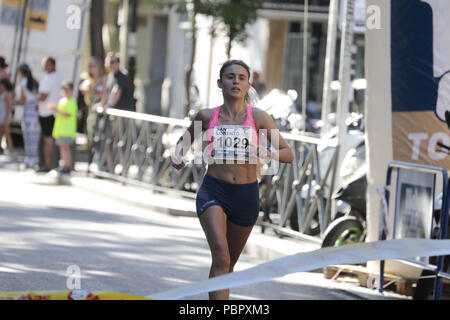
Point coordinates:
[[124, 246]]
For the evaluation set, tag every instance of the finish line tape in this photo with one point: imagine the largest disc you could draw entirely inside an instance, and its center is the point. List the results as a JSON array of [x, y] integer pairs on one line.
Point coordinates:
[[307, 261], [300, 262]]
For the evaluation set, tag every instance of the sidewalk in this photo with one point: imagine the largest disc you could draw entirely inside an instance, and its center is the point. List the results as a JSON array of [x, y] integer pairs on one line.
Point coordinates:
[[263, 246]]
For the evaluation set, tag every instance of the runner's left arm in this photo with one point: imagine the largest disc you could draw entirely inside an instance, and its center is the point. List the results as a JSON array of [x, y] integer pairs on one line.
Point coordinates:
[[283, 152]]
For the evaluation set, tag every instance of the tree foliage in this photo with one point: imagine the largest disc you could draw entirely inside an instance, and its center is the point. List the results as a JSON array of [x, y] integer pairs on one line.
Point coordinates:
[[235, 15], [231, 15]]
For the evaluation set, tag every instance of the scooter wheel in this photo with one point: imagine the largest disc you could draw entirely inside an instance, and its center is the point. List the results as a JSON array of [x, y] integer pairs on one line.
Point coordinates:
[[342, 231]]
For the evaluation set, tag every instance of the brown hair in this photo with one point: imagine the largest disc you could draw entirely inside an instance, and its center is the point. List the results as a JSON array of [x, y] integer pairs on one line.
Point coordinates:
[[32, 84], [3, 63], [232, 62]]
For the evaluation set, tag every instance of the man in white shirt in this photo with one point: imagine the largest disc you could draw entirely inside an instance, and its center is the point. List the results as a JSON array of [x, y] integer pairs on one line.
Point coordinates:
[[49, 94]]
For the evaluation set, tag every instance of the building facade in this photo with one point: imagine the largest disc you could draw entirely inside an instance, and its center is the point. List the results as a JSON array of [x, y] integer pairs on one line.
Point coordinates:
[[274, 48]]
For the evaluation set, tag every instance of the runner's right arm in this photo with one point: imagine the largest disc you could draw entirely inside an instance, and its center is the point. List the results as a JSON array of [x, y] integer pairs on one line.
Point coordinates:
[[186, 140]]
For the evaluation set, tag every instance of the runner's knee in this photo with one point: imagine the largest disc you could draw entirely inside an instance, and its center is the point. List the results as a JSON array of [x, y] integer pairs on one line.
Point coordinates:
[[221, 260]]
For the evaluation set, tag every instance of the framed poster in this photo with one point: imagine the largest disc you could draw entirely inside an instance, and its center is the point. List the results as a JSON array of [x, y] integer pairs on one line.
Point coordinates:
[[414, 205]]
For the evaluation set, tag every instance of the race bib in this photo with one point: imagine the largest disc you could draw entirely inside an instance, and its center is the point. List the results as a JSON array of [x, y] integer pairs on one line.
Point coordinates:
[[232, 142]]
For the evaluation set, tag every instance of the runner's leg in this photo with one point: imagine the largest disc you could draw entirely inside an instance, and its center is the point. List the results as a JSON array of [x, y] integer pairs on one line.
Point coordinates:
[[237, 238], [214, 224]]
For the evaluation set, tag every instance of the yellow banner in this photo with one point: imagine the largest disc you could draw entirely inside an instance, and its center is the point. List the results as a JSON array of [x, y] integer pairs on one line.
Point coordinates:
[[36, 20], [13, 3], [67, 295]]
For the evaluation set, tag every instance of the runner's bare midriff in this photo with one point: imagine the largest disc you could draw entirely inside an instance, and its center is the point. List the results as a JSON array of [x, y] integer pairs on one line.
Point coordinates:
[[233, 173]]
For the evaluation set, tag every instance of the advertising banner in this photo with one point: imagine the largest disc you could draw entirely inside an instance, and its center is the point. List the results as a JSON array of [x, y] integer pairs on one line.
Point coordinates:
[[420, 80], [35, 18]]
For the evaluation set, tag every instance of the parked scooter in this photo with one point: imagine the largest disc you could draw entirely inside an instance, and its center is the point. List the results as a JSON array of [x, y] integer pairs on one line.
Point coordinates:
[[351, 178], [350, 222]]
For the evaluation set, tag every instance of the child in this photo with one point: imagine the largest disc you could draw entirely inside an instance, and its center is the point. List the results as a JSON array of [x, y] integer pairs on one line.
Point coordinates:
[[5, 112], [65, 127]]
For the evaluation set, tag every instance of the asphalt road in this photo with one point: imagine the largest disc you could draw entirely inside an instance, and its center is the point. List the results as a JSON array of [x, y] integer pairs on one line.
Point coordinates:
[[119, 247]]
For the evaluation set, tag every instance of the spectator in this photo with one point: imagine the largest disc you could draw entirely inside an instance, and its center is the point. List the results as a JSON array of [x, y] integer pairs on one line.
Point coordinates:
[[31, 130], [49, 93], [65, 128], [259, 86], [4, 74], [94, 91], [5, 112], [119, 88]]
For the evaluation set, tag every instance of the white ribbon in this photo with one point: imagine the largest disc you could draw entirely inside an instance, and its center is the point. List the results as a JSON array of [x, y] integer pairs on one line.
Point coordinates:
[[307, 261]]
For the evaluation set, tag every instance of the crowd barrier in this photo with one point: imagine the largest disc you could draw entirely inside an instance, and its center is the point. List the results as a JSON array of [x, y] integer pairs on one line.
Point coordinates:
[[133, 147]]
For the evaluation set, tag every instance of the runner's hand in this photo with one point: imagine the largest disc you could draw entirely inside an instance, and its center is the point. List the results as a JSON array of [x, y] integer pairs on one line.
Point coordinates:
[[178, 162]]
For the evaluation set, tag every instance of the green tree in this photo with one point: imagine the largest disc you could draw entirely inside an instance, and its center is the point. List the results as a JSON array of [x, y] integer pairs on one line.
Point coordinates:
[[234, 16]]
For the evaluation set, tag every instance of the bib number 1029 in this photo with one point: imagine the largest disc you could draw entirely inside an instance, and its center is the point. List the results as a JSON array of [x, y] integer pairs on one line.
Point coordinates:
[[235, 143]]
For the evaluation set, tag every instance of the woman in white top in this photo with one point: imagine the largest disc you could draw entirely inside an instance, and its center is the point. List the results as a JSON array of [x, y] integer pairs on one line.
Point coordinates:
[[5, 112], [31, 129]]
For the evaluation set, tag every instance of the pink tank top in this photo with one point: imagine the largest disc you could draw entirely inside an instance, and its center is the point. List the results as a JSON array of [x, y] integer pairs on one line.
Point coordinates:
[[249, 122]]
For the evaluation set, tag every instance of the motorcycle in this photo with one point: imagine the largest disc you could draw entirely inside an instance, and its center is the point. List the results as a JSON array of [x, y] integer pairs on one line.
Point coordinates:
[[282, 109], [349, 225], [351, 198]]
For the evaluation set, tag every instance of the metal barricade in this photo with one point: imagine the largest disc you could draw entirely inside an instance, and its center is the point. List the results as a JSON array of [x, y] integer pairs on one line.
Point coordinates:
[[301, 193], [135, 148]]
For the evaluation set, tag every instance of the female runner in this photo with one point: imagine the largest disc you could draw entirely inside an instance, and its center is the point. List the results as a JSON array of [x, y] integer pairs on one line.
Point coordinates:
[[228, 199]]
